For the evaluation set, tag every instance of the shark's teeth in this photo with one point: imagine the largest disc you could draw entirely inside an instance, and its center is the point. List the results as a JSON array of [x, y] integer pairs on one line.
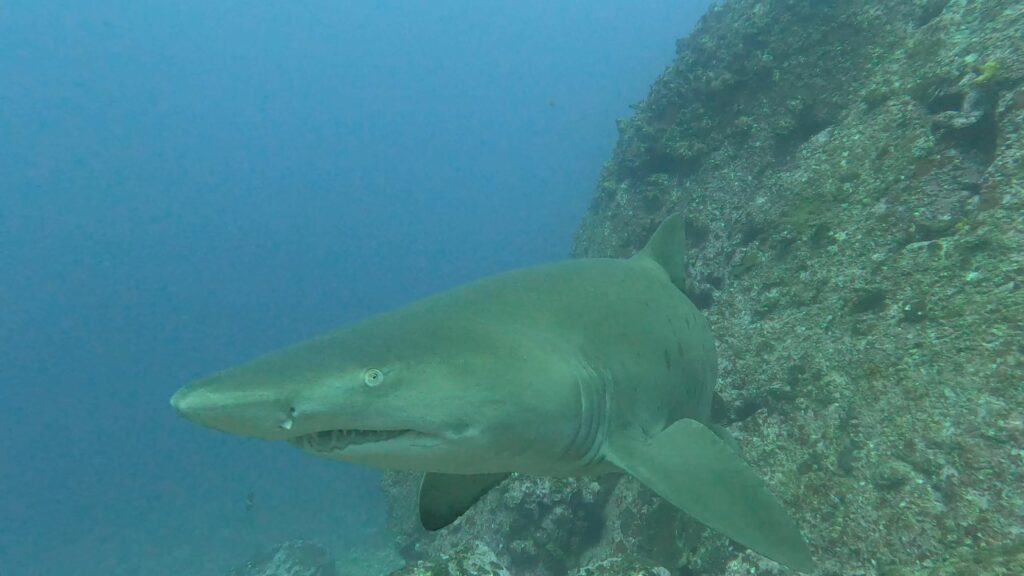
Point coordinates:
[[335, 440]]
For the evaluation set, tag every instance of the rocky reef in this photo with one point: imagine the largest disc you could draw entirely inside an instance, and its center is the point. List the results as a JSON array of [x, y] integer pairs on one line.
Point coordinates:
[[296, 558], [852, 177]]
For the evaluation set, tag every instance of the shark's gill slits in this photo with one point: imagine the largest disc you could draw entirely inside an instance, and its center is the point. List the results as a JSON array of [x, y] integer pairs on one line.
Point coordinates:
[[335, 440]]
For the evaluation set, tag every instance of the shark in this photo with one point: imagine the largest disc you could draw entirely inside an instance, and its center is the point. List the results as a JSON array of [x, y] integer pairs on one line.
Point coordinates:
[[577, 368]]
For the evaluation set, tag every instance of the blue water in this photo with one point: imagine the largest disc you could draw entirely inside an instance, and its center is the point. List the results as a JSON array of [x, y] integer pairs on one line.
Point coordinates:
[[187, 183]]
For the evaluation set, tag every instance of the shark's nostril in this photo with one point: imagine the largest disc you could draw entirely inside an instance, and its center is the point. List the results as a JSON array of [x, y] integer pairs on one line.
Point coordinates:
[[287, 424]]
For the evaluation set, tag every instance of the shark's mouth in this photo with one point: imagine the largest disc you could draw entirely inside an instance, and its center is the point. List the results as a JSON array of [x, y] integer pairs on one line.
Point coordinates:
[[336, 440]]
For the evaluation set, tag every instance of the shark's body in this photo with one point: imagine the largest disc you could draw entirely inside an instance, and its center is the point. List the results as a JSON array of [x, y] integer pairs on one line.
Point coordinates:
[[576, 368]]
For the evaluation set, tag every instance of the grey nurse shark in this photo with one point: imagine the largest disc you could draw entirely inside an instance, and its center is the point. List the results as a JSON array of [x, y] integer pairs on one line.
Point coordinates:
[[582, 367]]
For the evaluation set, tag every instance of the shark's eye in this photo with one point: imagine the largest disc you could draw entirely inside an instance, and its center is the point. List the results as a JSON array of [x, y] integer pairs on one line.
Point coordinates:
[[372, 377]]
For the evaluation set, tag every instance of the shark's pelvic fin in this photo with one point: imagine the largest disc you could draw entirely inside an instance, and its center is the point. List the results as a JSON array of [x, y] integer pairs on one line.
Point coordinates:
[[445, 497], [667, 248], [691, 467]]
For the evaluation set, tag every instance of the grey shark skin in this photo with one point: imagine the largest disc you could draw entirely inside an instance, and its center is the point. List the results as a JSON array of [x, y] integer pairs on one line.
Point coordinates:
[[575, 368]]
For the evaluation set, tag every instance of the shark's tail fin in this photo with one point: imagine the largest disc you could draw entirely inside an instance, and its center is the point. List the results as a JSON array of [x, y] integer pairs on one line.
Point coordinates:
[[667, 247]]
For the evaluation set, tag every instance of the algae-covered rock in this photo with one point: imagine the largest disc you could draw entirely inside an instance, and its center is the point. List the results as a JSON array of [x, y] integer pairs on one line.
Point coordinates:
[[298, 558], [621, 567], [474, 559], [545, 524], [865, 269]]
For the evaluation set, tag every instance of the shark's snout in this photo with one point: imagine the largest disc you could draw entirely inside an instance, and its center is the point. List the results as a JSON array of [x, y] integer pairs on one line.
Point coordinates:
[[235, 413], [190, 404], [196, 406]]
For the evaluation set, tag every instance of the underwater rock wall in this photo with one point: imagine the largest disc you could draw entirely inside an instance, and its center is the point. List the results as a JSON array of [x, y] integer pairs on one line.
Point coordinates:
[[852, 176]]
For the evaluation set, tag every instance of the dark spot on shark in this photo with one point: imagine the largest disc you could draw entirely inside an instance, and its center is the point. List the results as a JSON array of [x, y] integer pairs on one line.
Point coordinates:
[[668, 361], [689, 321], [680, 350]]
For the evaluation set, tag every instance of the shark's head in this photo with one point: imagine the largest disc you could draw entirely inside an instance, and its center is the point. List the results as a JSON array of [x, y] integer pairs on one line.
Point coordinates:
[[382, 392]]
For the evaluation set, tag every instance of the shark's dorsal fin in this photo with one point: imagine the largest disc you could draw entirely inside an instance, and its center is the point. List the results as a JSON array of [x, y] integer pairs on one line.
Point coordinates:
[[691, 467], [667, 248], [445, 497]]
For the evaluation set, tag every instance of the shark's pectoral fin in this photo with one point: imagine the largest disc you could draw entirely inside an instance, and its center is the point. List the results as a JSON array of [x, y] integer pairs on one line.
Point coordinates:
[[691, 467], [445, 497]]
